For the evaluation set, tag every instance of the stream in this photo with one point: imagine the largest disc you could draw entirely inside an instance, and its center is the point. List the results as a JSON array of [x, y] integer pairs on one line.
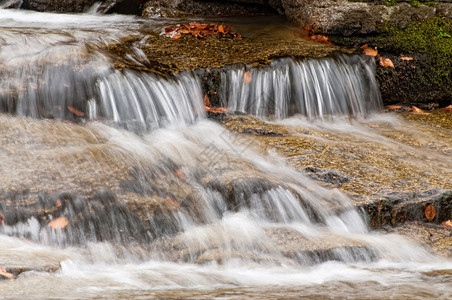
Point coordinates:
[[161, 202]]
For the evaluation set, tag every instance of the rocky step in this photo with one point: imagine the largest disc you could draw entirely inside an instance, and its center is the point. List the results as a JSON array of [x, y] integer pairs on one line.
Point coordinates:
[[16, 261]]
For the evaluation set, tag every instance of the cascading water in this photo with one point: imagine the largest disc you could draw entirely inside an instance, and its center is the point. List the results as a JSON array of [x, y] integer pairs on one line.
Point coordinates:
[[186, 208], [324, 87]]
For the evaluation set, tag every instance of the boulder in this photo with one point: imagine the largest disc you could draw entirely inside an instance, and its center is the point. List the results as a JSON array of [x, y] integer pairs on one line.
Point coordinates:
[[174, 8], [341, 17], [57, 6]]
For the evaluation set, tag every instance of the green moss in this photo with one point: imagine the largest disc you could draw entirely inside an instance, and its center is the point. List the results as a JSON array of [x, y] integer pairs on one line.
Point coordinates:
[[390, 2], [432, 38]]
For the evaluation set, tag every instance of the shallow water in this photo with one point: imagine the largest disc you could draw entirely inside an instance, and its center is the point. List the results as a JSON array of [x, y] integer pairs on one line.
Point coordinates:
[[284, 236]]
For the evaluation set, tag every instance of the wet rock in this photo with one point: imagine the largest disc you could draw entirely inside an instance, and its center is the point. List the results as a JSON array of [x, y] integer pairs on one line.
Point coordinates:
[[399, 208], [444, 10], [342, 17], [17, 261], [326, 176], [434, 237], [129, 7], [57, 6], [177, 8]]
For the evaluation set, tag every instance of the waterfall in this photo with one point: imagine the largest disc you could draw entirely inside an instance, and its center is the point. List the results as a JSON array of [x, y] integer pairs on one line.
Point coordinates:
[[315, 88], [140, 195]]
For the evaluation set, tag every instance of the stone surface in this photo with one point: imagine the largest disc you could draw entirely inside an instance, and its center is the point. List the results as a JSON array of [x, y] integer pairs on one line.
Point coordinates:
[[57, 6], [17, 261], [386, 171], [341, 17], [168, 8]]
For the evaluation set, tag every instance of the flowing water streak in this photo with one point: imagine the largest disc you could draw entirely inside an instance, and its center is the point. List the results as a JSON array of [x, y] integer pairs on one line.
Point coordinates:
[[315, 88]]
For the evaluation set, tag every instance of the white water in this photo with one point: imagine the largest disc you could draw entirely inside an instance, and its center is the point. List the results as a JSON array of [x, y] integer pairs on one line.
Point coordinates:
[[217, 252], [324, 87]]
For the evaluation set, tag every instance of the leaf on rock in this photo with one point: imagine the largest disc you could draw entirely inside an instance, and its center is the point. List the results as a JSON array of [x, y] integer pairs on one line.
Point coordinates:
[[318, 38], [5, 273], [75, 111], [447, 223], [386, 62], [172, 202], [406, 58], [217, 110], [447, 108], [58, 223], [369, 51], [393, 107], [199, 30], [180, 174], [418, 111], [206, 100], [247, 77], [430, 212]]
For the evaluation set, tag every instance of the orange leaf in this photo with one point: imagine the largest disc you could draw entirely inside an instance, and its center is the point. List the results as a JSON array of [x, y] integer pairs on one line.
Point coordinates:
[[221, 29], [180, 174], [247, 77], [418, 111], [58, 203], [447, 223], [321, 39], [58, 223], [75, 111], [406, 58], [393, 107], [176, 36], [174, 203], [430, 212], [5, 273], [206, 100], [386, 62], [370, 51], [1, 218], [216, 110], [447, 108], [364, 46]]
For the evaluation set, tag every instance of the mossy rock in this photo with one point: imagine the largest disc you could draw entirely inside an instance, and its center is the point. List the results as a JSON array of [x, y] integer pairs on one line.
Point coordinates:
[[428, 77]]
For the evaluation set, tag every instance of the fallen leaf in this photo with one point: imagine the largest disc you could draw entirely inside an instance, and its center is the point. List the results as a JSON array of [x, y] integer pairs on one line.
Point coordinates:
[[5, 273], [1, 218], [75, 111], [386, 62], [247, 77], [393, 107], [180, 174], [418, 111], [199, 30], [430, 212], [217, 110], [406, 58], [58, 203], [174, 203], [206, 100], [370, 52], [447, 108], [318, 38], [58, 223], [364, 46], [447, 223]]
